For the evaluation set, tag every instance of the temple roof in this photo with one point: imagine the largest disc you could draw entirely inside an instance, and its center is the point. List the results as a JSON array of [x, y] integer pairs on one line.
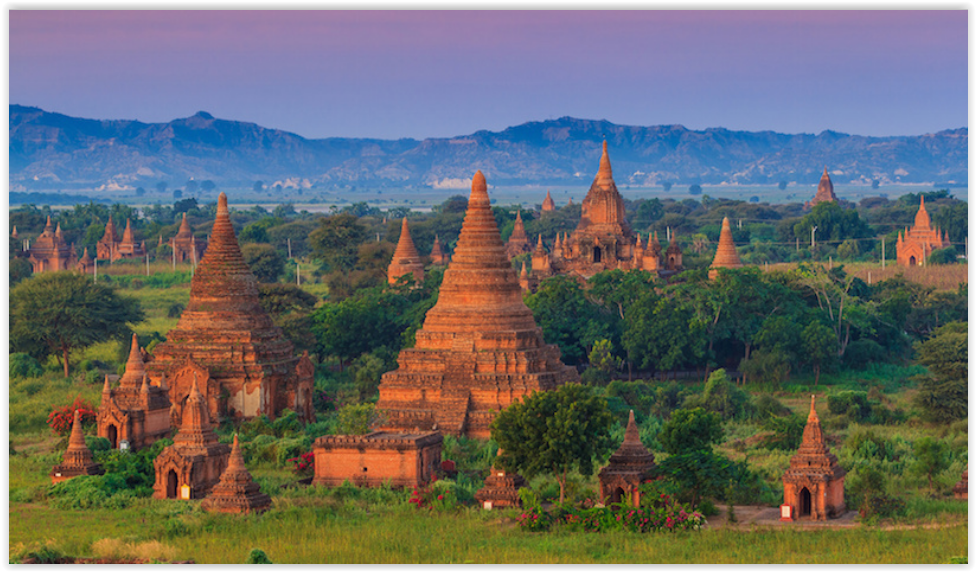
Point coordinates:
[[603, 208], [127, 237], [548, 204], [632, 451], [405, 247], [196, 429], [922, 220], [185, 232], [134, 368]]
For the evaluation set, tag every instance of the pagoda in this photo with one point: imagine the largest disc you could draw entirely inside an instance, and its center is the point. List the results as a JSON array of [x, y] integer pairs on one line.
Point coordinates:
[[193, 464], [78, 459], [726, 255], [916, 244], [236, 492], [50, 252], [109, 247], [501, 489], [631, 465], [518, 242], [244, 365], [548, 205], [814, 483], [87, 264], [602, 240], [825, 192], [186, 247], [437, 256], [479, 349], [135, 412], [406, 259]]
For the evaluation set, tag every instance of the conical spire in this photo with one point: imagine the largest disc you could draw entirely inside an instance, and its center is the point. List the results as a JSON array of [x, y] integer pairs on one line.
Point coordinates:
[[524, 273], [184, 231], [134, 367], [77, 439], [14, 233], [236, 492], [726, 255], [145, 384], [196, 430], [437, 253], [603, 207], [548, 204], [78, 459], [825, 190], [540, 249], [235, 463], [48, 228], [604, 177], [127, 237], [632, 435], [632, 453], [922, 220], [813, 438], [106, 389], [57, 232], [406, 259]]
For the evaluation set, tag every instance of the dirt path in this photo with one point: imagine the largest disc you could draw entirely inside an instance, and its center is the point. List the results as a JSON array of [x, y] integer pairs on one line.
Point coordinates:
[[748, 517]]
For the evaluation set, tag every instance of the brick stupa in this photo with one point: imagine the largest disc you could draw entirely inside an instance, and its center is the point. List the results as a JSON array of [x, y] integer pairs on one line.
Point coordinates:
[[236, 492], [814, 483], [825, 192], [501, 489], [726, 255], [518, 242], [479, 349], [78, 459], [916, 244], [243, 364], [196, 458], [50, 252], [631, 465], [437, 256], [406, 259]]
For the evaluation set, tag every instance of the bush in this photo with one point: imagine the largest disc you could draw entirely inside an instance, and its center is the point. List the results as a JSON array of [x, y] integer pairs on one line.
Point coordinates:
[[356, 419], [860, 353], [721, 397], [175, 310], [95, 444], [257, 556], [94, 377], [768, 406], [787, 432], [23, 365], [854, 404]]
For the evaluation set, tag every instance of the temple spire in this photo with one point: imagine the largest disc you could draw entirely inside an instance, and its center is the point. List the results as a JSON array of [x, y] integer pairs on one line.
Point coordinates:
[[632, 434], [134, 367]]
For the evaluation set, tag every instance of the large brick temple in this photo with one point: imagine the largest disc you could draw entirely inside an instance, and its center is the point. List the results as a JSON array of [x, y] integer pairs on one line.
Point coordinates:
[[917, 243], [479, 348], [241, 361]]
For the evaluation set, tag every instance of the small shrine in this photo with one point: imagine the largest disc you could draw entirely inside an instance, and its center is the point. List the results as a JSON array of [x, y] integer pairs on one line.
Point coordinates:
[[371, 460], [437, 256], [193, 464], [236, 492], [187, 247], [501, 489], [109, 247], [813, 486], [518, 242], [135, 414], [78, 459], [961, 490], [631, 465]]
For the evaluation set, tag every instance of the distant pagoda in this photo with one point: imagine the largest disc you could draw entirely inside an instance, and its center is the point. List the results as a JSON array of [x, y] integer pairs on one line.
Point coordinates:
[[518, 242], [406, 259], [916, 244], [825, 192], [726, 255], [479, 349]]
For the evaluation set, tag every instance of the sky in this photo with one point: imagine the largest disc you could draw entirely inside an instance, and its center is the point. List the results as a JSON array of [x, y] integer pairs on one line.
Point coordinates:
[[392, 74]]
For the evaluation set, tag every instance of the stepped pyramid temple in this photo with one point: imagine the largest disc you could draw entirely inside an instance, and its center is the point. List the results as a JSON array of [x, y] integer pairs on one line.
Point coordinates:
[[726, 255], [825, 192], [50, 252], [518, 242], [236, 492], [186, 247], [479, 348], [630, 466], [243, 364], [135, 412], [501, 489], [814, 484], [78, 459], [437, 256], [192, 465], [916, 244], [111, 248], [603, 239], [406, 259]]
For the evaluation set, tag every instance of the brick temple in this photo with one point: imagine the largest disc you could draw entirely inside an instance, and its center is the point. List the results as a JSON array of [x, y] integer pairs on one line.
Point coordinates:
[[78, 459], [236, 492], [243, 364], [186, 247], [406, 259], [631, 465], [437, 255], [479, 348], [136, 411], [192, 465], [814, 483], [825, 192], [377, 458], [916, 244], [518, 242], [50, 252], [726, 255], [501, 489], [109, 247]]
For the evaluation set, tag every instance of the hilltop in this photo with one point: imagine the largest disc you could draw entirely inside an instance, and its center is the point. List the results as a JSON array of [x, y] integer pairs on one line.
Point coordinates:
[[53, 151]]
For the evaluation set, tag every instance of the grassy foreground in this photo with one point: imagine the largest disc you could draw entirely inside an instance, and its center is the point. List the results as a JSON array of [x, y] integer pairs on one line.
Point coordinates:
[[318, 534]]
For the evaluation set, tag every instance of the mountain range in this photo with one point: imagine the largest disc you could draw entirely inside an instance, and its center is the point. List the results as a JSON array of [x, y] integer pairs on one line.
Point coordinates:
[[54, 151]]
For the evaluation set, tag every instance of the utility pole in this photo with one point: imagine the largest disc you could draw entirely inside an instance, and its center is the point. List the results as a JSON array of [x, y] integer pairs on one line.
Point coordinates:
[[147, 263], [289, 248], [882, 253], [298, 273], [96, 270], [812, 238], [798, 244]]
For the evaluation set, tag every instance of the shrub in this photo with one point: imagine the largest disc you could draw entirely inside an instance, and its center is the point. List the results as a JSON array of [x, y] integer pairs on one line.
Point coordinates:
[[721, 397], [356, 419], [854, 404], [257, 556], [787, 432], [860, 353], [23, 365], [768, 406], [175, 310], [304, 464], [97, 443]]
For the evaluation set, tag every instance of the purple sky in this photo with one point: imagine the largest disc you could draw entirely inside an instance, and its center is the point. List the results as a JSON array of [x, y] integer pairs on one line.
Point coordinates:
[[432, 74]]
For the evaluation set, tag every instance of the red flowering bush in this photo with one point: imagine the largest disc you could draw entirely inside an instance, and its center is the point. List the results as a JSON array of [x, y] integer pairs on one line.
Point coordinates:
[[434, 497], [659, 514], [303, 464], [534, 520], [60, 419]]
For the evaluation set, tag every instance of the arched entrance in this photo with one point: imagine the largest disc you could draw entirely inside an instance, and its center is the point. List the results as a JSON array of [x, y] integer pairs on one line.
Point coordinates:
[[805, 502], [172, 485], [113, 436], [597, 254], [618, 495], [912, 261]]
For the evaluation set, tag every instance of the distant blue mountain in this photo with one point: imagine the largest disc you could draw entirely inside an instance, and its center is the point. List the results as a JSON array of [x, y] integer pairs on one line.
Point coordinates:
[[51, 150]]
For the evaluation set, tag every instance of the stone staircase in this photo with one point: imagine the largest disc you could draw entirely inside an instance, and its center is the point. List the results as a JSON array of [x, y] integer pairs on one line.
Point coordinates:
[[452, 415]]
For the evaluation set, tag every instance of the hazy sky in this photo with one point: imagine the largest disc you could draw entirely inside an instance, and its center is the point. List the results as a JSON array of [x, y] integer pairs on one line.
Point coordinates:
[[432, 74]]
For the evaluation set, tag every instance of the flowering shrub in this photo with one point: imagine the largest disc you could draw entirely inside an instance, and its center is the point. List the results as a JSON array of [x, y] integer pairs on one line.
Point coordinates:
[[435, 496], [662, 513], [60, 419], [303, 464]]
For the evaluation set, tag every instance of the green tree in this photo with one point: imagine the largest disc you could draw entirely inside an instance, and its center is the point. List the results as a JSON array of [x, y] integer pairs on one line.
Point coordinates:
[[943, 395], [266, 263], [819, 347], [554, 432], [58, 312], [692, 466], [20, 269], [336, 241], [357, 419], [690, 430], [721, 397], [567, 318], [931, 458]]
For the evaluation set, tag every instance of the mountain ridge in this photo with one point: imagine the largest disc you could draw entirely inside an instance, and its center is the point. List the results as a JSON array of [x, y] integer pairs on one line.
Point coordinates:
[[53, 150]]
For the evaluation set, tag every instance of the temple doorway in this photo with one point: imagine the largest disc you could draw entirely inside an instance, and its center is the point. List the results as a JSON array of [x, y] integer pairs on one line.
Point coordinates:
[[912, 261], [805, 502], [113, 436], [617, 495], [597, 254], [172, 484]]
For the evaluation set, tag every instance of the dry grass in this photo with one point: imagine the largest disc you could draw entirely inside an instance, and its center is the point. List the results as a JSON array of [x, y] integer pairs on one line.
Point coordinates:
[[118, 549]]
